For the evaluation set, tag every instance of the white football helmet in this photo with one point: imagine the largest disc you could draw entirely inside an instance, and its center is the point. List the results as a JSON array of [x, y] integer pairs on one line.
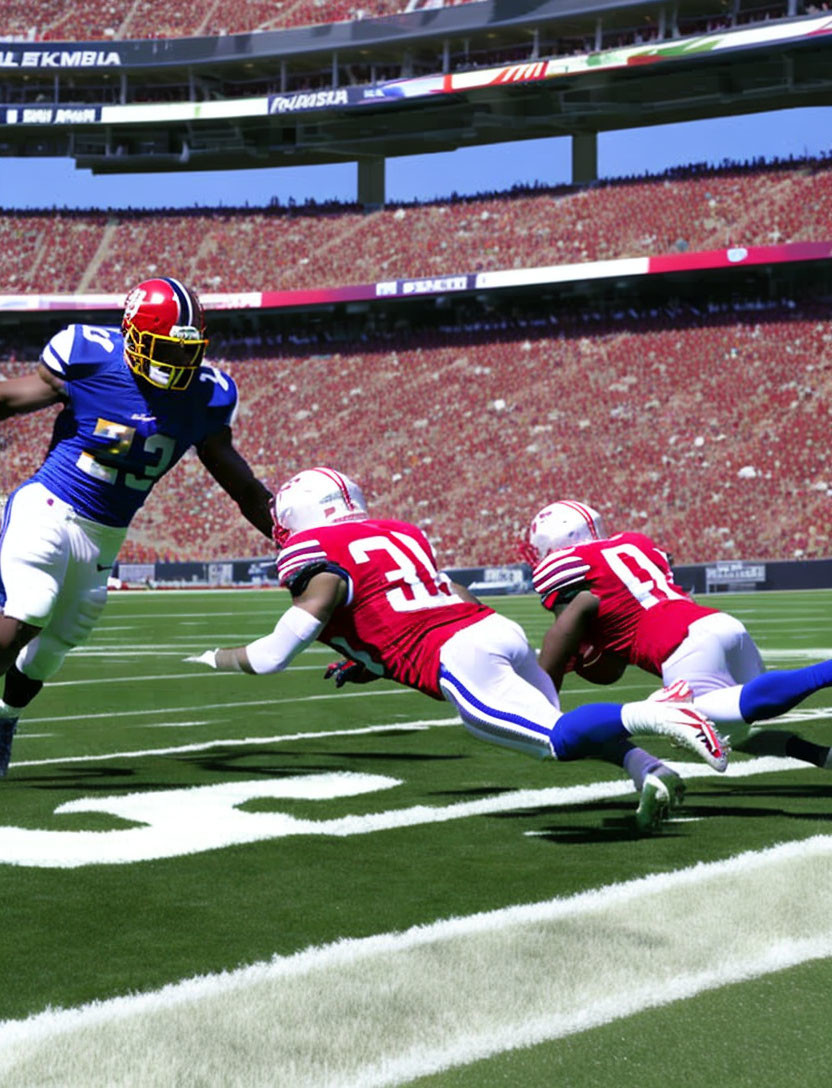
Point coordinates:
[[316, 496], [562, 525]]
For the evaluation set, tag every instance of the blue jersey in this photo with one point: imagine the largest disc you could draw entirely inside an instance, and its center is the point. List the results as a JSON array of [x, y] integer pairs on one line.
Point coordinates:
[[118, 434]]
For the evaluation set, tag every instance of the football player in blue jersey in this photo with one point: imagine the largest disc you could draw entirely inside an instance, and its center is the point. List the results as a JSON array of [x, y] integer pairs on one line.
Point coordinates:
[[135, 399]]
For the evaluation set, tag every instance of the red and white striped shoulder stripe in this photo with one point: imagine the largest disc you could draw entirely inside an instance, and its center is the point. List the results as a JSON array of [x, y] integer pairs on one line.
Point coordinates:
[[559, 570]]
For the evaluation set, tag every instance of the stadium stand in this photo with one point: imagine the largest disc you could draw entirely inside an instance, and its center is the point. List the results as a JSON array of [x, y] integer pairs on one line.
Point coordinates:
[[90, 20], [535, 408], [691, 426], [309, 246], [48, 248]]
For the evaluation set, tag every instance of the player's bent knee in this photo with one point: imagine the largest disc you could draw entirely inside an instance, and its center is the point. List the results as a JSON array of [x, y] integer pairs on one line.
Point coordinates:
[[89, 611], [42, 658], [76, 625]]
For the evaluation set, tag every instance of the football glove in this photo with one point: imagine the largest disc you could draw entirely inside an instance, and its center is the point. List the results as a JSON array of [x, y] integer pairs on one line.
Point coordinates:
[[208, 658], [349, 672]]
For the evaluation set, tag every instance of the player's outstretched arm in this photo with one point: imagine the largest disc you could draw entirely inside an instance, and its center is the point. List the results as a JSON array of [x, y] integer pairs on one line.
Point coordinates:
[[29, 393], [231, 471], [294, 631], [568, 633]]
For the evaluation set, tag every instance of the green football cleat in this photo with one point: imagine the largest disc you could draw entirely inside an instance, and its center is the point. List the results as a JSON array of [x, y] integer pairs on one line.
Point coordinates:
[[661, 793]]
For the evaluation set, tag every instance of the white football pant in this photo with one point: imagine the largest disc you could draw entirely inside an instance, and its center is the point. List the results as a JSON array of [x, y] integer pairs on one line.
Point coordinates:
[[717, 658], [54, 565], [490, 674]]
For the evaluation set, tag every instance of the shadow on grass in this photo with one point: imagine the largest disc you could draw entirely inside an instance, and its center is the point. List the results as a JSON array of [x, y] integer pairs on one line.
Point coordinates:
[[807, 790], [610, 823], [743, 812], [611, 829], [400, 757], [91, 778], [271, 762], [760, 799], [253, 761]]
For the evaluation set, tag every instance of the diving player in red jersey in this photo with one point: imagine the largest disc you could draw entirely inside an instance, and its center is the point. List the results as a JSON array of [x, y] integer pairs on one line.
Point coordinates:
[[135, 399], [615, 595], [369, 587]]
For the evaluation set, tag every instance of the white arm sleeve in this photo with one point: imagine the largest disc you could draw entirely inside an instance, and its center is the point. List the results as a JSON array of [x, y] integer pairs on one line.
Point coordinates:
[[294, 631]]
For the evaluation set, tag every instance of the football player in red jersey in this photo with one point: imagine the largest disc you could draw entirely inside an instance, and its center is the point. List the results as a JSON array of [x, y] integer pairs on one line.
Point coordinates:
[[615, 597], [370, 588]]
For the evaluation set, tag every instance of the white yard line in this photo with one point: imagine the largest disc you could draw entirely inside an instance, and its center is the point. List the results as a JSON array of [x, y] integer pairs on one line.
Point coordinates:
[[121, 714], [237, 742], [100, 648], [169, 725], [386, 1009], [158, 678], [799, 714]]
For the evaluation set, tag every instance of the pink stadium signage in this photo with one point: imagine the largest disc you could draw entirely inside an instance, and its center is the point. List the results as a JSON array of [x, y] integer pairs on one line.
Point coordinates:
[[664, 264]]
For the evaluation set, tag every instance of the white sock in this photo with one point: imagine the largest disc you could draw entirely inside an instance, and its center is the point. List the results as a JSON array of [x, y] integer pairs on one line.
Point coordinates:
[[722, 706], [641, 717]]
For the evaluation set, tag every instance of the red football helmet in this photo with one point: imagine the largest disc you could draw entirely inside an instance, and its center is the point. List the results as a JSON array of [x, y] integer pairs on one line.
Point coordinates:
[[164, 332]]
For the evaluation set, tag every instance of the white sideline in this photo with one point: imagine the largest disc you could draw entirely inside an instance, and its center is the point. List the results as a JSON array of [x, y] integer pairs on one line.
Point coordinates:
[[462, 989]]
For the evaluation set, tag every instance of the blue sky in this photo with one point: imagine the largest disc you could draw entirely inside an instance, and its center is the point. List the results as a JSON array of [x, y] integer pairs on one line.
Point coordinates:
[[45, 183]]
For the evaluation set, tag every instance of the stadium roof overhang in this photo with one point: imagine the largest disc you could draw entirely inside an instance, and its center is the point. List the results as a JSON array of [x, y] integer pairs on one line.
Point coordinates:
[[784, 66], [753, 81]]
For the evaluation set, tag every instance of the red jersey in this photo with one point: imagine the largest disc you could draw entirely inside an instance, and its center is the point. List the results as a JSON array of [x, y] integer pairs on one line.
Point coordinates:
[[642, 615], [399, 611]]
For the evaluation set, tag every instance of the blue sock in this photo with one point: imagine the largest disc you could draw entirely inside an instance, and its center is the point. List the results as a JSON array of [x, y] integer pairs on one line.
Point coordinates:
[[582, 732], [638, 764], [774, 693]]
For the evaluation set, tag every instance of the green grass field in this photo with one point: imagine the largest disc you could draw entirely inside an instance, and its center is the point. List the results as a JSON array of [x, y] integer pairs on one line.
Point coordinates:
[[163, 823]]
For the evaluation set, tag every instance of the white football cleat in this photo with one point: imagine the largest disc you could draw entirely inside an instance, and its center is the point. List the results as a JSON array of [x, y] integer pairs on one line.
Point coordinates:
[[683, 723]]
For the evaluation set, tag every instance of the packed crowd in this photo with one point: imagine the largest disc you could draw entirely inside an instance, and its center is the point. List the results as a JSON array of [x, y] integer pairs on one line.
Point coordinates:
[[88, 20], [310, 246], [709, 432], [673, 414]]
